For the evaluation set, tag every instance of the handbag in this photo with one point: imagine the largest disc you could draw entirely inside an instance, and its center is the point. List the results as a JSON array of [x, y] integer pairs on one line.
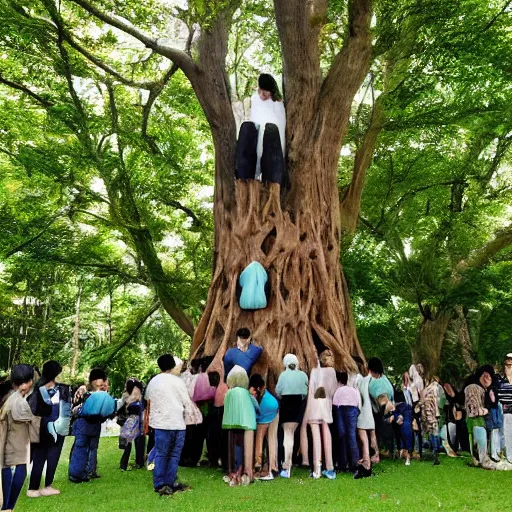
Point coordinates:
[[130, 429], [192, 414]]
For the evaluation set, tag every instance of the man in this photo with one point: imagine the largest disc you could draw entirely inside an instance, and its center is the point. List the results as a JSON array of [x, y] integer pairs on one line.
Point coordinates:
[[168, 403], [505, 398], [245, 354], [91, 410]]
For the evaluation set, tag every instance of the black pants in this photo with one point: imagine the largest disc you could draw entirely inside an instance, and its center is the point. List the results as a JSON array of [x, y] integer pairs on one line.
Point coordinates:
[[44, 453], [140, 445], [217, 439]]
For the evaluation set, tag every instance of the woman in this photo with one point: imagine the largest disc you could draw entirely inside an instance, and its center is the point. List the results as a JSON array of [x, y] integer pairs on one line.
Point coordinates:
[[240, 421], [477, 412], [18, 426], [292, 389], [432, 417], [51, 401], [318, 415], [380, 385], [365, 424], [261, 142], [505, 399], [454, 433], [131, 409]]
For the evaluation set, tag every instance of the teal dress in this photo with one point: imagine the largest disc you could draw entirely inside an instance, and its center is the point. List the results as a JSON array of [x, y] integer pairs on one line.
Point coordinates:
[[239, 410]]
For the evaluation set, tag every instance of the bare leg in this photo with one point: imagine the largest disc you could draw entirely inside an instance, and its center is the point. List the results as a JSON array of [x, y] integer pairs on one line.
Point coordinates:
[[365, 448], [289, 434], [327, 442], [248, 452], [304, 447], [373, 442], [272, 444], [261, 432], [317, 448]]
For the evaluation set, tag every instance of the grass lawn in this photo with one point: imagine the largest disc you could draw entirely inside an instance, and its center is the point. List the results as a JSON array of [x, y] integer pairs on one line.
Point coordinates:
[[421, 487]]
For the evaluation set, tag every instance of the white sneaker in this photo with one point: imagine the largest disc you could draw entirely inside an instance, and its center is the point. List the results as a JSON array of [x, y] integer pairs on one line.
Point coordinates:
[[33, 494], [270, 476], [49, 491], [408, 462]]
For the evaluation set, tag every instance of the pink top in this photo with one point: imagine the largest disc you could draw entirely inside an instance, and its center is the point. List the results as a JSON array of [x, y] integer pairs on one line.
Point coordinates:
[[346, 395], [202, 389], [319, 410], [222, 389]]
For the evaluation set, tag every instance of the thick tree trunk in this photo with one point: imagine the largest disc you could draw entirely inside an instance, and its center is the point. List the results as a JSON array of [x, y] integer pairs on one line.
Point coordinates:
[[309, 307], [429, 344]]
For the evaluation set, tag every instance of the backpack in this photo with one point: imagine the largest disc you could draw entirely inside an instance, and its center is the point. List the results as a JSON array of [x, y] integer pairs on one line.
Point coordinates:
[[131, 428]]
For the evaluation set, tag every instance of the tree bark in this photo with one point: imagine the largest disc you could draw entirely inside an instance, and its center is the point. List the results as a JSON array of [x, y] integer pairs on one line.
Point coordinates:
[[429, 344]]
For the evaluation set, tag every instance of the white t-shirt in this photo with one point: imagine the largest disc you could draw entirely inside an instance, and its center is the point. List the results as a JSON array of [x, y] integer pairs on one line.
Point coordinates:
[[169, 399]]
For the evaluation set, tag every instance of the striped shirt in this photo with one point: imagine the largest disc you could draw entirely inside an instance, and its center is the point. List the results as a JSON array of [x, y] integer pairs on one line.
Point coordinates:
[[504, 391]]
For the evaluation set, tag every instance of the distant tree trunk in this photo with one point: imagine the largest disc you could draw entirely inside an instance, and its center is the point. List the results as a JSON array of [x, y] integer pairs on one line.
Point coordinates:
[[76, 332], [429, 344]]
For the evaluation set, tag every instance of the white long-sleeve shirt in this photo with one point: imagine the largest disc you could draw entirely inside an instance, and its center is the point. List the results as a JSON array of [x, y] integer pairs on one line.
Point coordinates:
[[169, 399]]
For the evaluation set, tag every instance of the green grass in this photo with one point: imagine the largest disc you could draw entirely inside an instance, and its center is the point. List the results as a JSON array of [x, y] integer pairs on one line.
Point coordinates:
[[421, 487]]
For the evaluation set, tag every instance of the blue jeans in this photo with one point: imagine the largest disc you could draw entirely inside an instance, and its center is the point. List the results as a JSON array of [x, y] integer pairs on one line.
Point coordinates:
[[92, 462], [168, 446], [86, 437], [345, 421], [12, 482]]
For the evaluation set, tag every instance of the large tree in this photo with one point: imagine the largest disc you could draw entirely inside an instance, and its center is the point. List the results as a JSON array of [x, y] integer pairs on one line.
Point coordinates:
[[295, 233]]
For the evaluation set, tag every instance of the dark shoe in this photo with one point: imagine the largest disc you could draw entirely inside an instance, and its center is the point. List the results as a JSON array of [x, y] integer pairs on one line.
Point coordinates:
[[93, 476], [179, 487], [362, 472], [78, 480], [138, 466], [165, 491], [436, 460], [123, 469]]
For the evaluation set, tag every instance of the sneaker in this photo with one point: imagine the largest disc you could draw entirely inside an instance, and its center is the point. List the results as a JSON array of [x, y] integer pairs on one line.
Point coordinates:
[[34, 494], [151, 466], [49, 491], [408, 462], [179, 487], [268, 477], [165, 491], [285, 473], [226, 479], [362, 472], [78, 480], [330, 474], [245, 480], [315, 476]]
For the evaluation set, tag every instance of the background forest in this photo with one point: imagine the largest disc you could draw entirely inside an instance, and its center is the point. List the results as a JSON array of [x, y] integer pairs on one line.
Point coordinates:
[[106, 181]]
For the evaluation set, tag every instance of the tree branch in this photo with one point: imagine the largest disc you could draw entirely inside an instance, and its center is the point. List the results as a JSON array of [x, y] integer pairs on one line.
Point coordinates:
[[349, 68], [134, 330], [176, 204], [482, 256], [44, 102], [179, 57]]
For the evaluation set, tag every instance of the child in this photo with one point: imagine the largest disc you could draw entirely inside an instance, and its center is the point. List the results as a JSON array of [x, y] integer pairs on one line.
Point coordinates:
[[93, 408], [346, 403], [16, 425], [132, 408], [267, 420], [240, 421], [399, 413]]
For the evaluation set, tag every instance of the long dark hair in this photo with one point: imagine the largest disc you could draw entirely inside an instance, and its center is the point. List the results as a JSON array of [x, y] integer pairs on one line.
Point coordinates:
[[268, 83]]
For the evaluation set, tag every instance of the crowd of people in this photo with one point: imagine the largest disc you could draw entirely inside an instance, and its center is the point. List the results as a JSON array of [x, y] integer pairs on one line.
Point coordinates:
[[329, 421]]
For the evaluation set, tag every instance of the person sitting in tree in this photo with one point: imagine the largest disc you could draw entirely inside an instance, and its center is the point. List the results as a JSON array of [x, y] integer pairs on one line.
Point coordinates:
[[261, 142]]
